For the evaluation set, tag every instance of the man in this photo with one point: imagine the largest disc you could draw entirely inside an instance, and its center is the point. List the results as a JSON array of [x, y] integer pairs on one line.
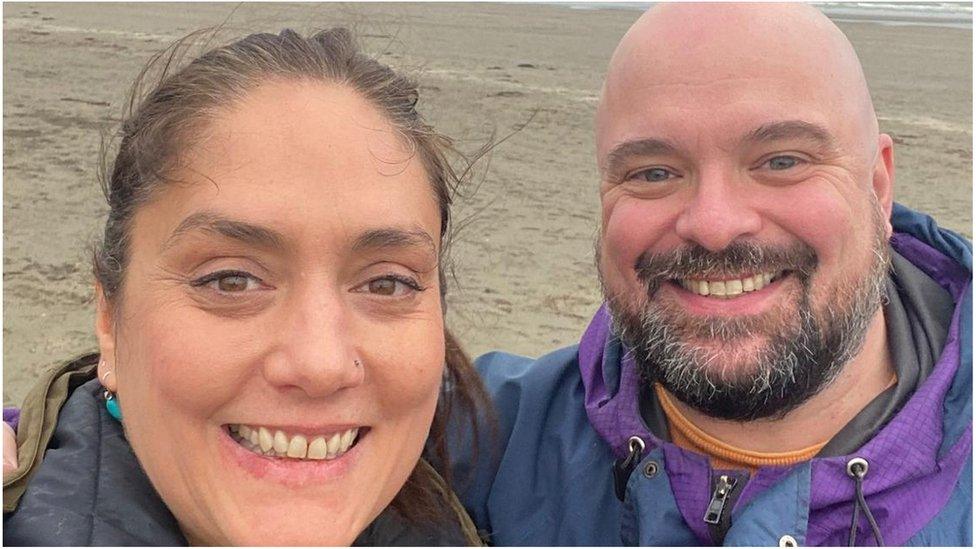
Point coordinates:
[[784, 356]]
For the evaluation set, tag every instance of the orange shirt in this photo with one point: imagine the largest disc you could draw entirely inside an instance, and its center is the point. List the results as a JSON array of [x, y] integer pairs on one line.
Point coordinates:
[[724, 456]]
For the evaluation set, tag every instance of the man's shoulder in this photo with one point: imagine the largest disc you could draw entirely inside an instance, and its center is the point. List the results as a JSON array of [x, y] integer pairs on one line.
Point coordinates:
[[545, 441], [509, 373], [924, 228], [540, 394]]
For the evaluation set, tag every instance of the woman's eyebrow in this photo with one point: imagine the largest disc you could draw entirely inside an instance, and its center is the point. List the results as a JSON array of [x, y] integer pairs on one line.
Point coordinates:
[[242, 231], [394, 237]]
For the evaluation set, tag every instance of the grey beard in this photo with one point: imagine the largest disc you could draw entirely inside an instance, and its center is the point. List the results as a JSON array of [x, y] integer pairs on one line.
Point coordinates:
[[802, 355]]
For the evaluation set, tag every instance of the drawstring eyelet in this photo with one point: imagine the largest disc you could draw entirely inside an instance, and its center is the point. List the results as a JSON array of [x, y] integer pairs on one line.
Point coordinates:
[[857, 469], [622, 468], [788, 541], [636, 444]]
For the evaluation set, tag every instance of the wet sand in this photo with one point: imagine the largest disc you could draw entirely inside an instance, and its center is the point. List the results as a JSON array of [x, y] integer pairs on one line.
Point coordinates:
[[525, 277]]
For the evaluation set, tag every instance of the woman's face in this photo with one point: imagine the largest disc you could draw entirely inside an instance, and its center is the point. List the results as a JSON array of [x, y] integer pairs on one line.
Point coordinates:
[[279, 344]]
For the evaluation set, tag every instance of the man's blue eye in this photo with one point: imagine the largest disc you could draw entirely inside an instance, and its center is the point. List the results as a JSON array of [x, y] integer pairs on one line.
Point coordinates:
[[654, 174], [782, 162]]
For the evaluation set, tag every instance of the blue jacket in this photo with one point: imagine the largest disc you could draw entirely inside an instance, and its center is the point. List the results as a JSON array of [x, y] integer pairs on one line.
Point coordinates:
[[565, 418]]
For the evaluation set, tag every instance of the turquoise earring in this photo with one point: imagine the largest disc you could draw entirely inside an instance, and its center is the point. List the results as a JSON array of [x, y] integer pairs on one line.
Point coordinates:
[[112, 405], [111, 401]]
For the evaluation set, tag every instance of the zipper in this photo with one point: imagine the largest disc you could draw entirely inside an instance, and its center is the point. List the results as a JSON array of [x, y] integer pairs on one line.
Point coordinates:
[[718, 515]]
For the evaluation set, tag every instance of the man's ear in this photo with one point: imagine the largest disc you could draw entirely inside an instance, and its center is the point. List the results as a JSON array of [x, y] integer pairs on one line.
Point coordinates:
[[883, 180], [105, 331]]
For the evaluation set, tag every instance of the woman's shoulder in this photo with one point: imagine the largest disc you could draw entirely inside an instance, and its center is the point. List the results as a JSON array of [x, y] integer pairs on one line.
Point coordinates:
[[79, 482], [37, 419]]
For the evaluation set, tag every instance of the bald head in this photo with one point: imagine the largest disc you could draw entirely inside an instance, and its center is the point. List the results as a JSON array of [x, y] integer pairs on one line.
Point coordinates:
[[717, 51]]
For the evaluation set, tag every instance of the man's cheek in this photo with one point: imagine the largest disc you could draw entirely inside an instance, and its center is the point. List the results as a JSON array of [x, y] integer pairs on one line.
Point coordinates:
[[631, 230]]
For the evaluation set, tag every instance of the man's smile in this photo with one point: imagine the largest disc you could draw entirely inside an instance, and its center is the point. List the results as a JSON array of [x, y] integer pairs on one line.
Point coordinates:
[[729, 287], [748, 295]]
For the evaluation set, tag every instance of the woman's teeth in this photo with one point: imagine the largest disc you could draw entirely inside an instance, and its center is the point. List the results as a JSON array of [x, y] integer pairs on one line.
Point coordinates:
[[729, 288], [277, 443]]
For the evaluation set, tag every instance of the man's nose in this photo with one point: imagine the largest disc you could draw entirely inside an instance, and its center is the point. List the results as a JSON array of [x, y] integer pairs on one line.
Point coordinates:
[[316, 352], [719, 212]]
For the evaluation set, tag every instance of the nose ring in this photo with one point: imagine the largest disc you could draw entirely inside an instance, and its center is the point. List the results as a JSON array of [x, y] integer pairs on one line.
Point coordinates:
[[357, 363]]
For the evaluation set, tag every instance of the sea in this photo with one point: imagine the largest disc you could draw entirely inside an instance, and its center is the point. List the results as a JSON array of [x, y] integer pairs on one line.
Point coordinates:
[[937, 14]]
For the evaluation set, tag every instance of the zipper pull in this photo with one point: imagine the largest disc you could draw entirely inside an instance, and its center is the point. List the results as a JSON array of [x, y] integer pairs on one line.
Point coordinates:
[[719, 498], [622, 468]]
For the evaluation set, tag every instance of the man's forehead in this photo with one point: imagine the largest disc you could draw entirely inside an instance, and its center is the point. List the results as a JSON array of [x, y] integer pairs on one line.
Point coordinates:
[[696, 45], [732, 29], [723, 112], [687, 61]]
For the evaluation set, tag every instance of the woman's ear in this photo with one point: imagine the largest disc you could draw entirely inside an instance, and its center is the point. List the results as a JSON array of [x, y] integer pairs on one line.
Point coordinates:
[[105, 331]]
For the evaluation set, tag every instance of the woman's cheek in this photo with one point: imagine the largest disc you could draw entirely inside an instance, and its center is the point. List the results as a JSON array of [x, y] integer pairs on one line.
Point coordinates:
[[409, 365], [189, 362]]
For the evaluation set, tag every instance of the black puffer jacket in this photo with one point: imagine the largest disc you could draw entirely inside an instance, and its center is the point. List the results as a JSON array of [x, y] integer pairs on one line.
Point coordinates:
[[89, 488]]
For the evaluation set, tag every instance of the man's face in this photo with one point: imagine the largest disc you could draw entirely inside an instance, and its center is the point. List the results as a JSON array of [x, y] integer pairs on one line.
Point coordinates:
[[743, 239]]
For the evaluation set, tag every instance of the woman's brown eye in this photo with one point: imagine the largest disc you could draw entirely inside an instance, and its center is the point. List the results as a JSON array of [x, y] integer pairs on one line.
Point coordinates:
[[382, 286], [234, 283]]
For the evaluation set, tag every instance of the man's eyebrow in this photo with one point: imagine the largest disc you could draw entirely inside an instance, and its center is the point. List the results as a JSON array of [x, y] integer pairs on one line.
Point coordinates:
[[617, 157], [236, 230], [791, 129], [394, 237]]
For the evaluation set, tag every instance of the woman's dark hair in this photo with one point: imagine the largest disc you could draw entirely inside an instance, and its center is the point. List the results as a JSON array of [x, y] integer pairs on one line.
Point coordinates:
[[165, 116]]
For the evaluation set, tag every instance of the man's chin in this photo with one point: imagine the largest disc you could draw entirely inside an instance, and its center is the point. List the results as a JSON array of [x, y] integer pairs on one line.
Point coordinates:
[[738, 379], [732, 354], [724, 365]]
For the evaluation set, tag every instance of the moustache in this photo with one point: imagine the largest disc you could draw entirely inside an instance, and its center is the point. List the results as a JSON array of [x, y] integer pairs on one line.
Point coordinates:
[[695, 261]]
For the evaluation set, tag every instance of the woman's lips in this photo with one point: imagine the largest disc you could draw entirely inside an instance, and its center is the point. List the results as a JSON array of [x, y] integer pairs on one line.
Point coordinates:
[[292, 471], [269, 441]]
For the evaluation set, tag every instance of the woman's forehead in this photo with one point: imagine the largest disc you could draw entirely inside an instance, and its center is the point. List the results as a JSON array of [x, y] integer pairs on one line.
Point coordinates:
[[304, 124], [304, 160]]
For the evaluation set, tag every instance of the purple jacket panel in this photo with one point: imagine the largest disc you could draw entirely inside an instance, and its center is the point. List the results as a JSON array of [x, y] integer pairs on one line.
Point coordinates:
[[11, 416]]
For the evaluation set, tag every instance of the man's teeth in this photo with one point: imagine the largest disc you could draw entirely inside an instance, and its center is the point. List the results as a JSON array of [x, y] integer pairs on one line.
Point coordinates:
[[262, 440], [729, 288]]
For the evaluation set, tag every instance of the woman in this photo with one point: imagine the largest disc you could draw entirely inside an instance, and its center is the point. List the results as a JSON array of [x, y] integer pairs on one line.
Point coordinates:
[[269, 314]]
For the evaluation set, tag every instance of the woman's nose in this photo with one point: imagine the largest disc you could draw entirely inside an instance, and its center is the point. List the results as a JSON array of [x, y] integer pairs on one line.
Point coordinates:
[[316, 351]]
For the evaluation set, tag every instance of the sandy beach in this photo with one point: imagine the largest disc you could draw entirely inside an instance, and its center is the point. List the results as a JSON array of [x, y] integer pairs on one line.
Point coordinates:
[[525, 280]]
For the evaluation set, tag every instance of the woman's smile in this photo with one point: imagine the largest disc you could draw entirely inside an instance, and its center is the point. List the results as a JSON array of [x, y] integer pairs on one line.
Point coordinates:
[[293, 457], [272, 442]]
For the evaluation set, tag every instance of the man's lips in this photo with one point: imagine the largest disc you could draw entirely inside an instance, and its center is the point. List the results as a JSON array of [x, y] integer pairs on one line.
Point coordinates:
[[731, 286], [737, 302]]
